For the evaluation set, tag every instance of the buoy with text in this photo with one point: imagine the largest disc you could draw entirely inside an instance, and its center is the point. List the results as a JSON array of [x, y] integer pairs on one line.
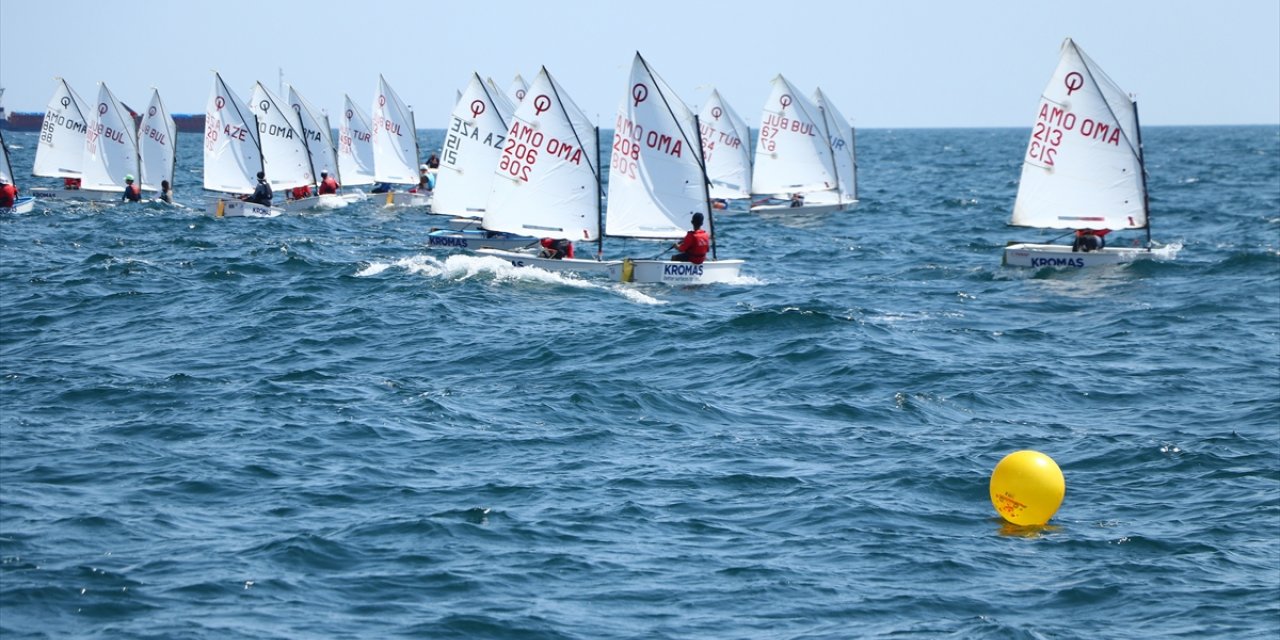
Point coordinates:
[[1027, 488]]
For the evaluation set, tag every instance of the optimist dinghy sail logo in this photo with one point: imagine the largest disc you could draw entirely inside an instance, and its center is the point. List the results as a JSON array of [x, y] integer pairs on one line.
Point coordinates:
[[349, 114], [220, 102], [151, 111], [784, 100], [477, 108], [102, 108], [382, 101], [716, 112], [264, 105], [520, 94], [1074, 82], [66, 101], [639, 93], [540, 104]]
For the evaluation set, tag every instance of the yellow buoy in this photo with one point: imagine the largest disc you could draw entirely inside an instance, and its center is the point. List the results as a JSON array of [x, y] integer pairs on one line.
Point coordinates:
[[1027, 488]]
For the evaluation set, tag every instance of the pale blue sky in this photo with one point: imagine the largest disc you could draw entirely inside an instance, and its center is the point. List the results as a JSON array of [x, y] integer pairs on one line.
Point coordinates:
[[901, 63]]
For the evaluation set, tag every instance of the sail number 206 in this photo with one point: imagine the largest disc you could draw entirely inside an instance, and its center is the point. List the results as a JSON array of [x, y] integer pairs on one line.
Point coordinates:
[[1044, 143], [517, 157]]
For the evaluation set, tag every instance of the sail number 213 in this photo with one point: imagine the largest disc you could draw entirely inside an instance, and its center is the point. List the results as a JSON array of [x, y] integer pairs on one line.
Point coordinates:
[[1044, 143]]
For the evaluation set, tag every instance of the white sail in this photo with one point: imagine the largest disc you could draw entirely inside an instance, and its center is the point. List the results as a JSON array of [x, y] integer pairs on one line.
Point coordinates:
[[472, 146], [1083, 166], [517, 90], [232, 155], [316, 134], [395, 141], [656, 178], [157, 138], [355, 146], [547, 180], [110, 145], [6, 168], [792, 155], [60, 152], [726, 148], [839, 135], [284, 151]]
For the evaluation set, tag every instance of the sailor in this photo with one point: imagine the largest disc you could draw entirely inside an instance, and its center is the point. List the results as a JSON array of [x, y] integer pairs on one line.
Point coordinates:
[[71, 183], [556, 248], [327, 183], [695, 245], [166, 191], [1088, 240], [131, 191], [262, 193], [8, 194], [300, 192], [797, 200]]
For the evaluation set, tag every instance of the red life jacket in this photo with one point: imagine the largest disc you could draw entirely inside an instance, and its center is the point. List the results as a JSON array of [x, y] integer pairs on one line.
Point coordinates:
[[328, 185], [695, 246], [8, 194], [301, 192]]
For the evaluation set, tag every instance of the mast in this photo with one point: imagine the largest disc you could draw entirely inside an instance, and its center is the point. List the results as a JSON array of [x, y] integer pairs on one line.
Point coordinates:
[[599, 198], [706, 193], [1142, 167]]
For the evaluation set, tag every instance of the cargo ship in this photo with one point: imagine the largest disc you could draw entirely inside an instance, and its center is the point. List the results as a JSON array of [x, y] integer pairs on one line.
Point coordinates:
[[31, 121]]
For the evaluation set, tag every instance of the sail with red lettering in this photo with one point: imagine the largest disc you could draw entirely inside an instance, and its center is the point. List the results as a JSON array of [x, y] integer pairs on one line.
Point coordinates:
[[839, 135], [60, 152], [792, 155], [1083, 167], [472, 147], [315, 134], [517, 90], [156, 140], [110, 145], [547, 181], [726, 147], [656, 177], [285, 158], [395, 140], [355, 146], [232, 155]]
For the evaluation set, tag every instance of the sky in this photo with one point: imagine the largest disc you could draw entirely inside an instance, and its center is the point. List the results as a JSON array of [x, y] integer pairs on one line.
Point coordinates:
[[885, 63]]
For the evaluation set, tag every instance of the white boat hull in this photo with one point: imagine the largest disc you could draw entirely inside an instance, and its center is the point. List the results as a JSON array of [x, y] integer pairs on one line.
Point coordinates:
[[668, 272], [326, 201], [577, 265], [224, 208], [21, 205], [800, 210], [403, 199], [477, 239], [82, 195], [1056, 255]]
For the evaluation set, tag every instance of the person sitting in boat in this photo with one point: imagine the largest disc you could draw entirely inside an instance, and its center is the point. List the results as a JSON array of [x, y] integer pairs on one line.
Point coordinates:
[[381, 187], [166, 191], [71, 183], [556, 248], [695, 245], [719, 204], [328, 184], [131, 191], [797, 200], [1089, 240], [262, 193], [8, 194], [433, 162], [300, 192]]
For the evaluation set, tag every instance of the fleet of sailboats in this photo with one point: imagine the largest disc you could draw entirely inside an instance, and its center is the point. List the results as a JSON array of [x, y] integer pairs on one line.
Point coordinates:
[[519, 168]]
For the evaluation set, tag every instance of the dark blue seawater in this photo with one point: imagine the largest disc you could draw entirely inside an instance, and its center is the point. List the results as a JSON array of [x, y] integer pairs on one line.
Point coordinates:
[[313, 427]]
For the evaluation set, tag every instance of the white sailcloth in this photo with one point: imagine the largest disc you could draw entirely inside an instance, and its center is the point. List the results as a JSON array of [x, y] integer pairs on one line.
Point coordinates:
[[355, 146], [232, 155], [110, 145], [395, 141], [726, 149], [316, 134], [547, 179], [840, 136], [60, 152], [156, 139], [517, 90], [1083, 166], [472, 147], [792, 155], [6, 168], [284, 151], [656, 178]]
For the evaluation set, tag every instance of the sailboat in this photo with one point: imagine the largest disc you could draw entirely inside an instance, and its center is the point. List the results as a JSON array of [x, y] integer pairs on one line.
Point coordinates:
[[658, 180], [395, 146], [548, 179], [20, 205], [839, 135], [285, 157], [1083, 167], [318, 142], [795, 165], [726, 148], [473, 146], [111, 148], [157, 137], [355, 146], [232, 153], [517, 90], [60, 152]]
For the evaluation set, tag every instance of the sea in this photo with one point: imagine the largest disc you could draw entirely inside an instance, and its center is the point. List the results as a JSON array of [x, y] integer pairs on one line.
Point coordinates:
[[313, 426]]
